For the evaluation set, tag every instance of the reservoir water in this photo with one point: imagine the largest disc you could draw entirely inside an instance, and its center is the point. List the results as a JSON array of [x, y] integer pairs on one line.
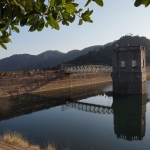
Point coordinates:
[[82, 118]]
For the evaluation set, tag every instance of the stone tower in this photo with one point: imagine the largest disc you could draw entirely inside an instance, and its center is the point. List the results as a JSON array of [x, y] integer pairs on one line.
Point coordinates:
[[129, 70]]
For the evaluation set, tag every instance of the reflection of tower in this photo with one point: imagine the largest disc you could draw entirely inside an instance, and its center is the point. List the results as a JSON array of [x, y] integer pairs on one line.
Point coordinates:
[[129, 116]]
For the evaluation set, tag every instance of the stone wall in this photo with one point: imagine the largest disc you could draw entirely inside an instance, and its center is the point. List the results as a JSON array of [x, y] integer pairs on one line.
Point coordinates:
[[16, 83], [148, 73], [37, 82], [28, 103]]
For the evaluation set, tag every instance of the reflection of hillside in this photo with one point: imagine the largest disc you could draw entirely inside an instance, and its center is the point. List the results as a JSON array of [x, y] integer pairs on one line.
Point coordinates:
[[26, 104], [129, 116]]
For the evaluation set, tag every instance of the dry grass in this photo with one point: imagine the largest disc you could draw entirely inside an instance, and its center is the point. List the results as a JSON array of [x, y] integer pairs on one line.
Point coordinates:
[[51, 147], [17, 138]]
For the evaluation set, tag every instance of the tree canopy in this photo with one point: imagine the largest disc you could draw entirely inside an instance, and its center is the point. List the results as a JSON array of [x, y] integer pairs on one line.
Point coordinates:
[[38, 14]]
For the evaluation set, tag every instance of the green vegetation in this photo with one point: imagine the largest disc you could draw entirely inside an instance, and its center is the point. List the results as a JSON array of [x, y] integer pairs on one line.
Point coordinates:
[[142, 2], [103, 55], [38, 14]]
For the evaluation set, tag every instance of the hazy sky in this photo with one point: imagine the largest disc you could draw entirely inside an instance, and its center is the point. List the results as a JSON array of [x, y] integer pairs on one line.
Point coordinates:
[[115, 19]]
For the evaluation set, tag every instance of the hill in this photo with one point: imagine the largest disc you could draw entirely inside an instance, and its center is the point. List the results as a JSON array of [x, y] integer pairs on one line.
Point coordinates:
[[99, 54], [103, 55], [46, 59]]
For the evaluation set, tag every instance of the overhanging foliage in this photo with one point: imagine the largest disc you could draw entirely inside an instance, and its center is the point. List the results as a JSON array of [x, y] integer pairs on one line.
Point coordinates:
[[38, 14]]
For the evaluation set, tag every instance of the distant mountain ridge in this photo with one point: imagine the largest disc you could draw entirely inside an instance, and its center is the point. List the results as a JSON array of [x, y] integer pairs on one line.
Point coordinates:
[[46, 59], [99, 54]]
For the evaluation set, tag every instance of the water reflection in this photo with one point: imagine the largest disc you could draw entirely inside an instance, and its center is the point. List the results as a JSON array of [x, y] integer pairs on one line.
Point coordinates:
[[86, 117], [26, 104], [129, 116]]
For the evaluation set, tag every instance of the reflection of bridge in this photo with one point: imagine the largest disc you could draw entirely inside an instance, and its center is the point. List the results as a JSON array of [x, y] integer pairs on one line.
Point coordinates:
[[129, 113], [100, 109], [26, 104], [88, 107], [87, 68]]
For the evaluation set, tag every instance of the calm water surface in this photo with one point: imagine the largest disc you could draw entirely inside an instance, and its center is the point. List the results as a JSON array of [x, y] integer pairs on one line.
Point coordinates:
[[84, 118]]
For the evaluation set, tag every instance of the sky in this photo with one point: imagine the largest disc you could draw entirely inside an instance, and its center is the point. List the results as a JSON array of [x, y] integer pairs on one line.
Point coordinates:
[[116, 19]]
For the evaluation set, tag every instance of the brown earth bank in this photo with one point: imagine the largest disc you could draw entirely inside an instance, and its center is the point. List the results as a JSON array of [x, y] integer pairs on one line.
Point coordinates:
[[18, 105], [16, 83]]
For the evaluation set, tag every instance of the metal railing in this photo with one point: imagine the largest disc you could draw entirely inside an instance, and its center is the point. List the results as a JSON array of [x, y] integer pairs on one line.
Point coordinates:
[[88, 68]]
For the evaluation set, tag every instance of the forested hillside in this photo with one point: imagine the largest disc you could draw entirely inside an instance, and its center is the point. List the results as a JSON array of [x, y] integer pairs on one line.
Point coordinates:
[[47, 59], [91, 55], [103, 55]]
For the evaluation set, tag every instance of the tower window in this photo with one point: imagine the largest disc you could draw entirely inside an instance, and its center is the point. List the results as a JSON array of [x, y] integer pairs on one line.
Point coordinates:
[[122, 63], [134, 64], [142, 62]]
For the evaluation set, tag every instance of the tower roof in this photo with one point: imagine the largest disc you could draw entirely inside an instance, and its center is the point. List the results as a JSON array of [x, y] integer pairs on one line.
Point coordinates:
[[127, 48]]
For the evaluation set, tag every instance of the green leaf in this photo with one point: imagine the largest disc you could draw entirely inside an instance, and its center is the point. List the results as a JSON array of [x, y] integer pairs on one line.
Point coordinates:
[[99, 2], [90, 12], [3, 46], [6, 40], [80, 22], [41, 24], [37, 5], [91, 21], [65, 15], [23, 22], [7, 11], [50, 21], [145, 2], [7, 24], [63, 2], [138, 3], [22, 8], [64, 22], [79, 10], [86, 18], [34, 19], [71, 19], [18, 12], [51, 3], [33, 27], [56, 25], [86, 15], [16, 29], [46, 24], [70, 8], [87, 3], [75, 4], [2, 26], [54, 14]]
